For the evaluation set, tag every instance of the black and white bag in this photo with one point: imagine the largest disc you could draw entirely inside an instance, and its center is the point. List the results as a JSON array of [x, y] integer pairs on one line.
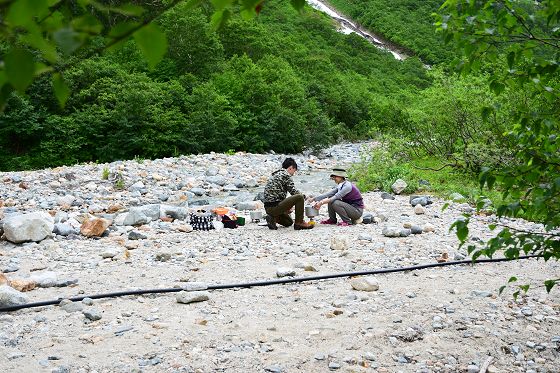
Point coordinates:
[[201, 220]]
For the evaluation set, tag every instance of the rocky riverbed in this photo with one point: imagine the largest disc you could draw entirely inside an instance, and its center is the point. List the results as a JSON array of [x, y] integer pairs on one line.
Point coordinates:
[[446, 319]]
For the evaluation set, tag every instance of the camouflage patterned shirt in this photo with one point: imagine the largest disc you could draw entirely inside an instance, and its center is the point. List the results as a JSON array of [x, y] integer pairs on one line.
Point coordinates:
[[277, 187]]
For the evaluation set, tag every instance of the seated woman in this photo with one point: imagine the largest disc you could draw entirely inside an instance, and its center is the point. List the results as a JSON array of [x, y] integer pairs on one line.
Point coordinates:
[[344, 200]]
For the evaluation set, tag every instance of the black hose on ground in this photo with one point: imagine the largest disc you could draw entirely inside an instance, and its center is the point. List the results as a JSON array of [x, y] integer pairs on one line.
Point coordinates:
[[261, 283]]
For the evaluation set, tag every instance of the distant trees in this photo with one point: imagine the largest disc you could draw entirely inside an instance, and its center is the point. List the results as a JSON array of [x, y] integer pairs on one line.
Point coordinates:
[[284, 81]]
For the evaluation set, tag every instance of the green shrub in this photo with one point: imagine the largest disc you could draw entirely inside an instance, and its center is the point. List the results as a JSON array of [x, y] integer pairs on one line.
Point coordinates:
[[444, 121], [392, 160], [386, 163]]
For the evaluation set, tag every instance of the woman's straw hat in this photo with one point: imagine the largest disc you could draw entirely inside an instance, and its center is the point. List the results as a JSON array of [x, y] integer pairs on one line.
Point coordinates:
[[337, 171]]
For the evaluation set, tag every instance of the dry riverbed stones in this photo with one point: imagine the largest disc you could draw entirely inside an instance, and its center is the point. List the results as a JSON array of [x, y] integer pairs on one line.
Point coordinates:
[[448, 319]]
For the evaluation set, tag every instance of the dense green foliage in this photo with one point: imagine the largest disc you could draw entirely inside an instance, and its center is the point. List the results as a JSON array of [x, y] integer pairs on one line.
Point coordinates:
[[282, 81], [408, 23], [441, 127], [522, 40], [445, 122]]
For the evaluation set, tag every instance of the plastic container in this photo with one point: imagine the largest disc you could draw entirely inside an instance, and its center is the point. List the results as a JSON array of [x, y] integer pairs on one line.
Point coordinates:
[[256, 215]]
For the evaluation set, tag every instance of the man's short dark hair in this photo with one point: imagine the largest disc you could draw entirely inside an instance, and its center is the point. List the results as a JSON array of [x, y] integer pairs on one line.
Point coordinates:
[[289, 162]]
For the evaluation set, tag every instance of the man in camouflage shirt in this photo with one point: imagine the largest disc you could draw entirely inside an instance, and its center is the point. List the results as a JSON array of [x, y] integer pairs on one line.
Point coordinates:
[[276, 205]]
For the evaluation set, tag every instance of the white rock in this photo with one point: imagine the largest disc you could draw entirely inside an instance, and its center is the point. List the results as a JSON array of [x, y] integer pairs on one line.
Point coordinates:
[[35, 226], [339, 243], [66, 200], [419, 210], [91, 186], [110, 252], [192, 296], [120, 219], [94, 209], [193, 286], [365, 237], [364, 284], [11, 297], [429, 228], [398, 186], [45, 279], [391, 231], [284, 272]]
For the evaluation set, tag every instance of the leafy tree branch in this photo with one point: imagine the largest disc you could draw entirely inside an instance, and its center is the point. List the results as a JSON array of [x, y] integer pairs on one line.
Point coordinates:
[[518, 41]]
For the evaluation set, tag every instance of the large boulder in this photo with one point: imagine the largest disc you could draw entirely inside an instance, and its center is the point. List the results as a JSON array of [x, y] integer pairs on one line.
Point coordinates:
[[35, 226]]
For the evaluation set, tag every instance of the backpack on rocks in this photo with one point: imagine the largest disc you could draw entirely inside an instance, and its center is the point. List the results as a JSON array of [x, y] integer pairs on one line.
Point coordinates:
[[229, 222]]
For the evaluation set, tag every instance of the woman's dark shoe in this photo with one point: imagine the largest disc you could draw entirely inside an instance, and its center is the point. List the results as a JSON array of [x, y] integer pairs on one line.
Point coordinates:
[[302, 225], [271, 222]]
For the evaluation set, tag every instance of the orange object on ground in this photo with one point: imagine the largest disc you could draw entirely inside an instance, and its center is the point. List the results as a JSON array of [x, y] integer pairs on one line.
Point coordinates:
[[221, 210]]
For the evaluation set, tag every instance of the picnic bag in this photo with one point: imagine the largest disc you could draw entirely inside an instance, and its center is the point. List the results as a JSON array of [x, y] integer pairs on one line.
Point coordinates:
[[201, 220]]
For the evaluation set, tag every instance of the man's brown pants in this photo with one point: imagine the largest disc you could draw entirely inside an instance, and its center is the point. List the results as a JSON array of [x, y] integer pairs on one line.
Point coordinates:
[[280, 211]]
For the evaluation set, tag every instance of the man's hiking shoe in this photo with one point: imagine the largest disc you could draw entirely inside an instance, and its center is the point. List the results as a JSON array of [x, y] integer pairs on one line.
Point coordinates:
[[271, 222], [302, 225]]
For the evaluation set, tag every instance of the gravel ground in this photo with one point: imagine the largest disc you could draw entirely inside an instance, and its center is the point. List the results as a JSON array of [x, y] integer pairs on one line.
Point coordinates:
[[446, 319]]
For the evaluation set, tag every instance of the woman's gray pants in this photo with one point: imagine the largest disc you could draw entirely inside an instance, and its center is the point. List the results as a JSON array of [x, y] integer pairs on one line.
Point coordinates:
[[346, 211]]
